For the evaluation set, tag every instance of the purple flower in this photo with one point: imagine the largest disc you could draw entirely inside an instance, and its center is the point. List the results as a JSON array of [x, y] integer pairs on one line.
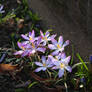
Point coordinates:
[[36, 48], [1, 9], [31, 36], [23, 46], [44, 65], [45, 38], [62, 65], [56, 57], [58, 46]]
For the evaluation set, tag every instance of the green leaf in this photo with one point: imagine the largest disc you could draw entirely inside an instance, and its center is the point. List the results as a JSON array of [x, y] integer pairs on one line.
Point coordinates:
[[30, 85], [82, 61], [20, 90]]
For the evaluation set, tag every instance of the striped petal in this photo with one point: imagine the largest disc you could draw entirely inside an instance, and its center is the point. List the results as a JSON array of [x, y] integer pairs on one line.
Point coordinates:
[[38, 64], [61, 73], [68, 68], [25, 37], [55, 52], [60, 41], [38, 69], [52, 47]]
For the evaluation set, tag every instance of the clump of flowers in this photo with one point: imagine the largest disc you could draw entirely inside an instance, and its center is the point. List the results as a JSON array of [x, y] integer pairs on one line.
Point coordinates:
[[48, 52]]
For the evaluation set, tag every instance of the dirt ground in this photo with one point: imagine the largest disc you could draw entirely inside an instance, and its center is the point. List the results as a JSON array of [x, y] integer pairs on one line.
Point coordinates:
[[54, 17]]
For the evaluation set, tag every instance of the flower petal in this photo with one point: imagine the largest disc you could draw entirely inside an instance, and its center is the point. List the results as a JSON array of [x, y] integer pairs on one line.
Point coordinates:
[[18, 52], [38, 69], [61, 73], [47, 34], [38, 63], [25, 53], [60, 41], [63, 56], [68, 68], [19, 44], [41, 49], [67, 60], [43, 59], [54, 42], [33, 34], [44, 68], [41, 33], [52, 47], [55, 67], [55, 52], [29, 34], [66, 43], [51, 37], [25, 37]]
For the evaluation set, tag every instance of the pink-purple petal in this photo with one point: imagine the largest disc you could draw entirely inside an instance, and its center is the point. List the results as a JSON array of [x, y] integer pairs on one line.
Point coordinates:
[[38, 69], [60, 41], [68, 68], [52, 47], [43, 59], [66, 43], [61, 73], [38, 63], [44, 68], [41, 33], [55, 52], [25, 37], [33, 34], [67, 59], [54, 42], [41, 49], [29, 34], [19, 44], [47, 34], [18, 52]]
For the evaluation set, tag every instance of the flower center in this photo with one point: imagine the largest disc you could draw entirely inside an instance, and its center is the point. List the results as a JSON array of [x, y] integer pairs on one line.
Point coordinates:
[[22, 48], [56, 57], [62, 65], [33, 45], [30, 38], [58, 46], [44, 65], [46, 38]]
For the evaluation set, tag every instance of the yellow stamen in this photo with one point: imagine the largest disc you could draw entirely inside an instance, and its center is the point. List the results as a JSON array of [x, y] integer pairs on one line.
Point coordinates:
[[30, 38], [45, 38], [33, 45], [22, 48], [62, 65], [58, 46], [44, 65]]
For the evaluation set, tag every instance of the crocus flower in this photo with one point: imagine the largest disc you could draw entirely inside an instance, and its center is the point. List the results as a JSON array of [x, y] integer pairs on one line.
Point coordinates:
[[44, 65], [31, 36], [56, 57], [45, 38], [36, 48], [62, 65], [58, 46], [1, 9], [23, 46]]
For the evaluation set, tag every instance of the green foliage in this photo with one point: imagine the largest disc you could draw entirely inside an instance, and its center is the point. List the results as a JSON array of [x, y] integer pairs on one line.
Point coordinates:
[[7, 17], [82, 61], [20, 90], [32, 84]]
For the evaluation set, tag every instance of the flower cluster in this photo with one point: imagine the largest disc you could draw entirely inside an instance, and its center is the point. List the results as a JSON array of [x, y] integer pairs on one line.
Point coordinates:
[[56, 59]]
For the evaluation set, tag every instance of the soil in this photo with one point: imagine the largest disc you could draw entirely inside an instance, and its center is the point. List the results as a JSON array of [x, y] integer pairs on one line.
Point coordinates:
[[62, 20]]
